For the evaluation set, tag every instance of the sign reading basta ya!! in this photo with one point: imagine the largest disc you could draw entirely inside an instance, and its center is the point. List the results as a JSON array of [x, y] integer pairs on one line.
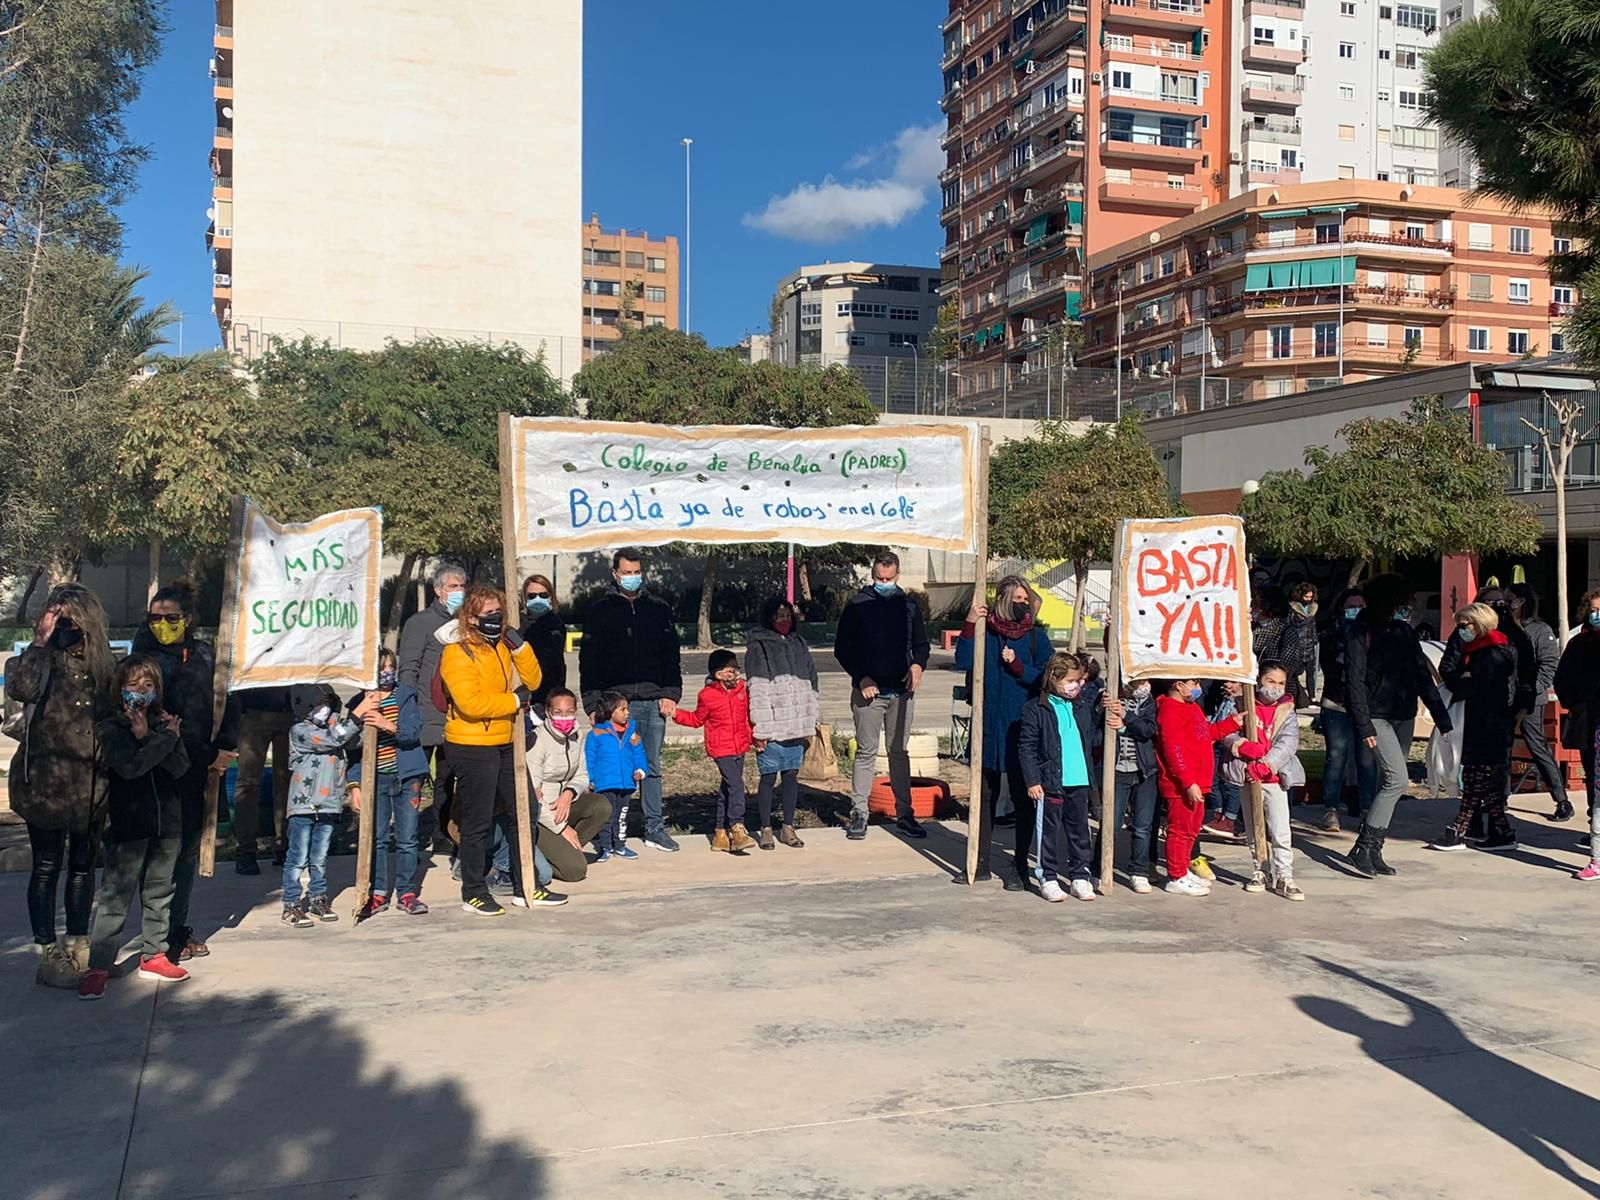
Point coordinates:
[[1184, 600]]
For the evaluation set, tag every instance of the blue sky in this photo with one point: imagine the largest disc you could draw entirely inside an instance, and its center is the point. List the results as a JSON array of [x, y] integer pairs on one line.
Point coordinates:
[[808, 146]]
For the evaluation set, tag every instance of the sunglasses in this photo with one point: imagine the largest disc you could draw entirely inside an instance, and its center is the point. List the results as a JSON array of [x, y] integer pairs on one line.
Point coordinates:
[[533, 595], [165, 618]]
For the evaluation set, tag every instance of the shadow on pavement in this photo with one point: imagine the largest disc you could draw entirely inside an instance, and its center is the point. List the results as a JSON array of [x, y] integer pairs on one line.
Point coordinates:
[[1532, 1113], [143, 1097]]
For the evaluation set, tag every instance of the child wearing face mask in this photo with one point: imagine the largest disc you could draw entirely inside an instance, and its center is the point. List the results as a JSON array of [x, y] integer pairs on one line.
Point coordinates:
[[1054, 749], [402, 767], [1184, 771], [1134, 719], [1272, 761], [614, 755], [318, 744], [723, 711]]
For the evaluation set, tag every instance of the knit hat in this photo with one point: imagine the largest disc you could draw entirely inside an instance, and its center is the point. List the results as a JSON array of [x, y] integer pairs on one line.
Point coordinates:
[[721, 660]]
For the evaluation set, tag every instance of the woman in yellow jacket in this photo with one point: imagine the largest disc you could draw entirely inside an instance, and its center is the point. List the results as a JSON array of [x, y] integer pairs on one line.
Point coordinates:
[[483, 664]]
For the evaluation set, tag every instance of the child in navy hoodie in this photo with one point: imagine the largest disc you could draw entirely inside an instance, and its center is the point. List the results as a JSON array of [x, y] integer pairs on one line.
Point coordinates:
[[614, 754]]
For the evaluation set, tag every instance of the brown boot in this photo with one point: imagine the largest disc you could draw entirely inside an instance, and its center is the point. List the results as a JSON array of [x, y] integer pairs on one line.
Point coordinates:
[[56, 969], [790, 838], [739, 839], [719, 840], [78, 952], [765, 839]]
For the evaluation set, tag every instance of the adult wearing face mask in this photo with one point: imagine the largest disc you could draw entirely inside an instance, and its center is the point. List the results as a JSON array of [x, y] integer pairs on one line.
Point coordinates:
[[1577, 686], [1300, 642], [570, 813], [546, 632], [882, 643], [1386, 674], [630, 646], [58, 781], [785, 704], [1546, 645], [1343, 746], [419, 661], [482, 664]]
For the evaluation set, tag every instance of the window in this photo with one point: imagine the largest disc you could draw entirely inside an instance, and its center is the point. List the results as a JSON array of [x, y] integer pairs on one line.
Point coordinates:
[[1327, 230], [635, 260], [1263, 35], [1347, 91], [1561, 294], [1169, 263], [1378, 280], [811, 314], [1280, 233], [1281, 338], [860, 339], [1385, 12], [1413, 337], [1416, 16], [601, 258], [905, 314], [1347, 50], [1121, 79], [903, 340], [1383, 177], [1479, 287], [1347, 8], [1385, 55], [1405, 58], [1347, 133], [602, 287], [1521, 239], [860, 309], [655, 264], [1477, 339], [1413, 138], [1383, 95], [1384, 136], [1518, 291], [1561, 245], [655, 295], [1517, 341], [1326, 339], [1558, 341], [655, 320], [1377, 334], [1346, 171], [1277, 387], [1480, 237], [1414, 100]]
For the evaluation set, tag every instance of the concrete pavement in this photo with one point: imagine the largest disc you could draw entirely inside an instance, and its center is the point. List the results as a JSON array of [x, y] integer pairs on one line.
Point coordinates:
[[841, 1021]]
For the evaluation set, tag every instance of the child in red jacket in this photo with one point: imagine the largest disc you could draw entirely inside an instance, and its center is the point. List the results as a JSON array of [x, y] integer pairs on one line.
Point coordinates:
[[1185, 762], [723, 710]]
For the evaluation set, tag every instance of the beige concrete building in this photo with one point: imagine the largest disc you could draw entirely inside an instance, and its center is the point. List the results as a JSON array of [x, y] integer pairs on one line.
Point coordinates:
[[394, 169], [629, 280]]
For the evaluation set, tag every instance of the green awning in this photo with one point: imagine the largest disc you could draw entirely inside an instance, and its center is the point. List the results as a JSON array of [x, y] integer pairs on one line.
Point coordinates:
[[1255, 278], [1335, 208], [1074, 304], [1199, 43], [1300, 273], [981, 338], [998, 333], [1318, 272], [1284, 214], [1037, 229], [1075, 212], [1348, 275], [1283, 275]]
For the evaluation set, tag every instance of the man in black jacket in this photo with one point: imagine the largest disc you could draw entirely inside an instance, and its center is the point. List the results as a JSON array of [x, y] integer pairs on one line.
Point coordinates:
[[882, 644], [419, 659], [1547, 654], [630, 645]]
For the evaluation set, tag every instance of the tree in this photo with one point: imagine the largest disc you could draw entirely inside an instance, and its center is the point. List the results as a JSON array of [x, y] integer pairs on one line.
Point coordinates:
[[1517, 88], [665, 377], [944, 340], [1412, 485], [1065, 497], [1571, 429]]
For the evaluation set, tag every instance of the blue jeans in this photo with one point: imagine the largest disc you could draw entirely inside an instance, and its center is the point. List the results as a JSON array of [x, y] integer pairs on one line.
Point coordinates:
[[1224, 795], [309, 836], [398, 802], [543, 872], [653, 730], [1339, 734]]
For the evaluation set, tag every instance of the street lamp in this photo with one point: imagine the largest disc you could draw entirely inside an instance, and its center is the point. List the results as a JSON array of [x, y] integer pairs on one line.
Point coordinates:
[[589, 287], [687, 142]]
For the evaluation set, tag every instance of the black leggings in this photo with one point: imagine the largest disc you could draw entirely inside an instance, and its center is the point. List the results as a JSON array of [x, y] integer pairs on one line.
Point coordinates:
[[52, 850], [791, 796]]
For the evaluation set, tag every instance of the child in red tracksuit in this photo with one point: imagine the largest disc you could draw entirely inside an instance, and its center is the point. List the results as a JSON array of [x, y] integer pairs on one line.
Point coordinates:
[[1185, 762], [723, 710]]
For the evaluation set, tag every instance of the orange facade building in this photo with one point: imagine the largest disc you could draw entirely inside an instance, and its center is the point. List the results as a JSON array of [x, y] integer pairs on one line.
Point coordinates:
[[629, 279]]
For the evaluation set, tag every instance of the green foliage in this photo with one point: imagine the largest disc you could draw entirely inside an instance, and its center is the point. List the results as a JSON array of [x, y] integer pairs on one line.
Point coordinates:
[[1519, 88], [945, 336], [1412, 485]]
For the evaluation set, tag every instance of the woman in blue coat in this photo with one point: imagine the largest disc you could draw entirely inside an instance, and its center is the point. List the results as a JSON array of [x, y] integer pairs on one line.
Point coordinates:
[[1015, 653]]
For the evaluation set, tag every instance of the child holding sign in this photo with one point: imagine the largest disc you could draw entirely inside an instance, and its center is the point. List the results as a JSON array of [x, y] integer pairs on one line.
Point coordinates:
[[1053, 747], [1273, 762], [1185, 767]]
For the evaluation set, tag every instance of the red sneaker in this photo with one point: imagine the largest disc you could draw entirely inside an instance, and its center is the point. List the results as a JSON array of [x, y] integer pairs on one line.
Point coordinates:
[[161, 968], [1222, 827], [93, 985], [375, 905]]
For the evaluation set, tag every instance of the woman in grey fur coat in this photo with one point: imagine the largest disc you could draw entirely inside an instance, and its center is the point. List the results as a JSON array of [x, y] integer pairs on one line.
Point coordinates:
[[784, 705]]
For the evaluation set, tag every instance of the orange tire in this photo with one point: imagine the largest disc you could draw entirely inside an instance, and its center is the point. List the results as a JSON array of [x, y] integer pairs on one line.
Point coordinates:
[[927, 797]]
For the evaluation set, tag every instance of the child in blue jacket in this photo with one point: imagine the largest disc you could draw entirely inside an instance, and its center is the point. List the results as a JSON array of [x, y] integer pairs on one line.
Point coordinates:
[[317, 768], [614, 754]]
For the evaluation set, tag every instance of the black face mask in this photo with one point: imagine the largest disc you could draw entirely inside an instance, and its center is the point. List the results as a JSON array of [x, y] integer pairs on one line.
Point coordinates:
[[491, 627], [66, 636]]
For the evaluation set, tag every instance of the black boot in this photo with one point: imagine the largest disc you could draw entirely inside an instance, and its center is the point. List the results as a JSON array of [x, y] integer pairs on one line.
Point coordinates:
[[1375, 852], [1478, 826], [1361, 853], [1564, 810]]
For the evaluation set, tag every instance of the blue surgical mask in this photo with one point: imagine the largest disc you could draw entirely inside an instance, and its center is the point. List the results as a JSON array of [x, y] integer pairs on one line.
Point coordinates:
[[1196, 694], [453, 601], [538, 605], [885, 588], [630, 583], [1593, 620], [1403, 615], [135, 699], [1352, 614]]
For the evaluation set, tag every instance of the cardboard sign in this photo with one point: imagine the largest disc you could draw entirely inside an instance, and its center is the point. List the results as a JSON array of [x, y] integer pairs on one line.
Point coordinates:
[[596, 485], [306, 602], [1184, 600]]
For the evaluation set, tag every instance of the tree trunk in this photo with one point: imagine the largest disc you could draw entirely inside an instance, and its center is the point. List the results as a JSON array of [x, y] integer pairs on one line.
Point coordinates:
[[154, 582], [21, 617], [1356, 571], [803, 578], [61, 569], [397, 605], [27, 293], [703, 623], [1080, 579]]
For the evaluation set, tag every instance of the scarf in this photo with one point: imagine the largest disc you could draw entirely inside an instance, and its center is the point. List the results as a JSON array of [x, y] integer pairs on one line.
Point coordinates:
[[1492, 638], [1013, 630]]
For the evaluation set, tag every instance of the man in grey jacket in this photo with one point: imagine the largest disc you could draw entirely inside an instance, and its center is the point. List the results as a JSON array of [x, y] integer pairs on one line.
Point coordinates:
[[419, 659]]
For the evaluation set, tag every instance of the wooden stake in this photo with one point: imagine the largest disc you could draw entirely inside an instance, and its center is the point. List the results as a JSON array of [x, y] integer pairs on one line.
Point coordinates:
[[519, 732], [366, 819], [219, 680], [979, 656], [1108, 754], [1258, 814]]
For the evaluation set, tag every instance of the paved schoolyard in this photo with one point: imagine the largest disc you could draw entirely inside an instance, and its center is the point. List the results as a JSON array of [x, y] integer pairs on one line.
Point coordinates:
[[841, 1021]]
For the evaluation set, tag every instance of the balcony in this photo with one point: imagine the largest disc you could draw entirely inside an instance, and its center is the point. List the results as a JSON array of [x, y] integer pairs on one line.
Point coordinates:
[[952, 94], [1045, 112], [223, 137], [1165, 148], [950, 174], [1277, 178], [1122, 43], [1035, 165], [951, 137], [1134, 96], [1261, 55], [1284, 10], [222, 37], [948, 251], [1352, 237], [1354, 297], [953, 55], [1040, 291], [1151, 194], [1046, 200], [1285, 131], [1185, 15], [1561, 308], [1060, 24], [1278, 94]]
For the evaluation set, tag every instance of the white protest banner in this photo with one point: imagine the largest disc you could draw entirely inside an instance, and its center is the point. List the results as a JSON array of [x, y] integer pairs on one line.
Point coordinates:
[[305, 609], [596, 485], [1183, 600]]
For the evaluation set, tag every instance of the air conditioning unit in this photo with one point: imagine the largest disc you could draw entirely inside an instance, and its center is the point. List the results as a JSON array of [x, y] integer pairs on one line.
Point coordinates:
[[1235, 157], [1027, 196], [1096, 77], [1030, 68]]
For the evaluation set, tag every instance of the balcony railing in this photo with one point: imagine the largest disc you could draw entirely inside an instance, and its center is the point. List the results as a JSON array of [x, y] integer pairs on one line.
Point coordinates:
[[1154, 47], [1329, 297], [1055, 197], [223, 81], [1113, 92], [1315, 237], [1039, 161], [1044, 112], [1275, 92], [1272, 131], [1042, 289], [951, 93], [1136, 137], [1561, 308], [1176, 8], [952, 56]]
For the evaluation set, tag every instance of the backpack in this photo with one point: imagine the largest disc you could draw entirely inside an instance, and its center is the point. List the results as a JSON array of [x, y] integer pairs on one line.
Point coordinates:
[[437, 692]]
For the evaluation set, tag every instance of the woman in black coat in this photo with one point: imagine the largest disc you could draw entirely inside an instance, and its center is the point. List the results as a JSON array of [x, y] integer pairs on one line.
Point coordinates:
[[546, 632], [1480, 669]]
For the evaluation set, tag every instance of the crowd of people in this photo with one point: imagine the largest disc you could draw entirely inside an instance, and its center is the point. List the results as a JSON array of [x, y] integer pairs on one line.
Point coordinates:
[[115, 758]]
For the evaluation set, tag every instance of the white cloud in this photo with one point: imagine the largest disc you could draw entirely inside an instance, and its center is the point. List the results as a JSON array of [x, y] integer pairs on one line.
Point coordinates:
[[833, 209]]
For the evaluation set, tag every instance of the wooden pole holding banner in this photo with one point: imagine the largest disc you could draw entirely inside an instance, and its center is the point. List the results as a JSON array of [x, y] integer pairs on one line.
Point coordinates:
[[219, 680], [366, 833], [1258, 808], [980, 588], [1108, 753], [519, 732]]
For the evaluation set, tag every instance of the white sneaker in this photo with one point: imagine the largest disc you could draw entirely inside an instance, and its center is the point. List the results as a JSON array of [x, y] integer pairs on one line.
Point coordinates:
[[1140, 884], [1188, 885], [1082, 889], [1052, 892], [1256, 883]]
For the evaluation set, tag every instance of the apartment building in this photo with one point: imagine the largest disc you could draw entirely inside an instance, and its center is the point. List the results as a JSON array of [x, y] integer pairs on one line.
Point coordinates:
[[363, 188], [1072, 125], [1289, 289], [629, 279], [853, 310]]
